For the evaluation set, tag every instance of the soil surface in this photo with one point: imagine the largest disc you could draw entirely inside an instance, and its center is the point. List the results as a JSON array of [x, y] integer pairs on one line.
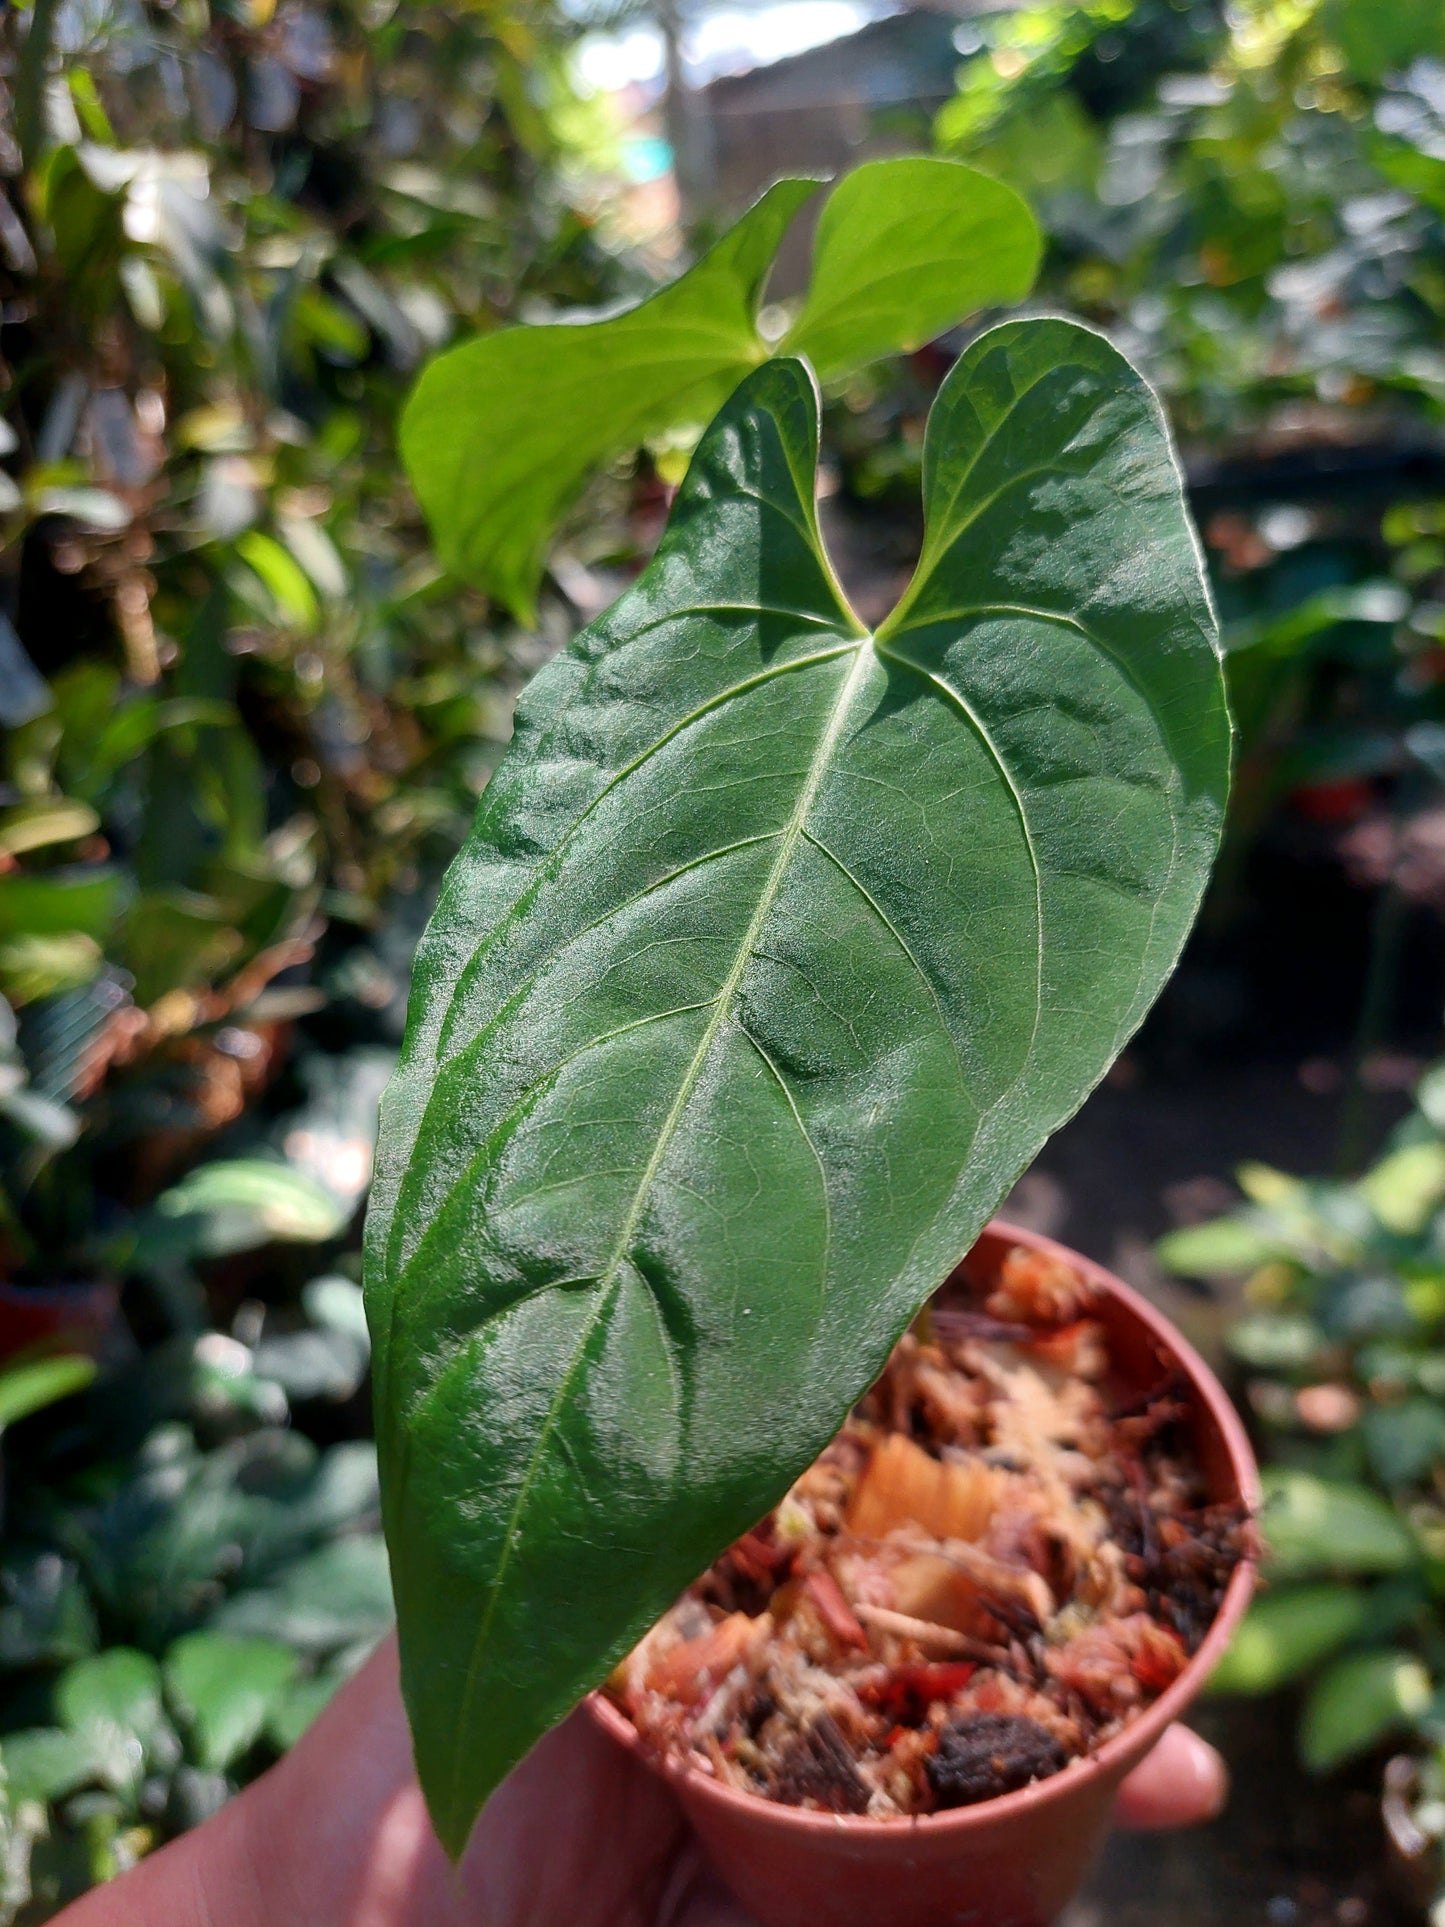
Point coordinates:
[[1003, 1557]]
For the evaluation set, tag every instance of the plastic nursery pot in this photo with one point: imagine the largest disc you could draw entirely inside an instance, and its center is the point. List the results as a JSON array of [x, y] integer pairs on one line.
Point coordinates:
[[1013, 1861]]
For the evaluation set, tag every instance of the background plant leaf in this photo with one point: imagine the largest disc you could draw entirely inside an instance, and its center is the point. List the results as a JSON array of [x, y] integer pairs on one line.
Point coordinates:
[[1223, 1248], [30, 1384], [45, 1763], [501, 431], [1313, 1525], [239, 1203], [776, 952], [112, 1701], [1285, 1633], [339, 1596], [1356, 1701], [226, 1690]]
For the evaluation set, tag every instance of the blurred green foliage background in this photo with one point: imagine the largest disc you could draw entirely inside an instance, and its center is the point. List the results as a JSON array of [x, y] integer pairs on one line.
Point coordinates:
[[245, 724]]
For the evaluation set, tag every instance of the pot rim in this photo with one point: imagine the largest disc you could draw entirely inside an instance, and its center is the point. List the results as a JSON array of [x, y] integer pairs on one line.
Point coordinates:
[[1123, 1749]]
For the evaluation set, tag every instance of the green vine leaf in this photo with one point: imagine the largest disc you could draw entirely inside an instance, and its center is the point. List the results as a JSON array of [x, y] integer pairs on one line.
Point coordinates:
[[776, 952], [501, 432]]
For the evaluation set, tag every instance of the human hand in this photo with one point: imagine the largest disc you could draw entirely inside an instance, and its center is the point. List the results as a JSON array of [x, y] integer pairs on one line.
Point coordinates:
[[337, 1835]]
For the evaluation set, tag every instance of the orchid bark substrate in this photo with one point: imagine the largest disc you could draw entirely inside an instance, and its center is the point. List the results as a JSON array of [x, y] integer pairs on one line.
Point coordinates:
[[778, 949], [1008, 1552]]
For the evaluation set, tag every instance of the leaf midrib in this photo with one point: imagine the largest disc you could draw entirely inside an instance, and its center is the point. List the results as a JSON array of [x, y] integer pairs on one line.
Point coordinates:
[[607, 1281], [553, 857]]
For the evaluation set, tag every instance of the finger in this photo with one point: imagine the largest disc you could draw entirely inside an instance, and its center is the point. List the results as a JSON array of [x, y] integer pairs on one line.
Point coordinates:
[[705, 1902], [1182, 1782], [579, 1833]]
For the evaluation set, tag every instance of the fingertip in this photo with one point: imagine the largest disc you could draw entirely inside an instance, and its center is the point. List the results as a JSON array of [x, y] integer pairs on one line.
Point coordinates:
[[1181, 1783]]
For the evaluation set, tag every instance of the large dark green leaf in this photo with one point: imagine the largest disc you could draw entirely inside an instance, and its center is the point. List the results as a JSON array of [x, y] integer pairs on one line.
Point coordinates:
[[775, 954], [501, 431]]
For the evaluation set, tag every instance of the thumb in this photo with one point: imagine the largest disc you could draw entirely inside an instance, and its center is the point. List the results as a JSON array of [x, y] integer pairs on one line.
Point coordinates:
[[1182, 1782]]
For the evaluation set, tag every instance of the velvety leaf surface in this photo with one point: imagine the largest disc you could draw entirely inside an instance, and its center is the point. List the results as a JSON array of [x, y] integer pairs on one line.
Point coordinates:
[[501, 431], [776, 952]]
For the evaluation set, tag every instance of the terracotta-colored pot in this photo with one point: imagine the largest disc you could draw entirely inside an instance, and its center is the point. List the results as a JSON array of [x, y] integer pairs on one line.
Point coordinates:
[[1010, 1862]]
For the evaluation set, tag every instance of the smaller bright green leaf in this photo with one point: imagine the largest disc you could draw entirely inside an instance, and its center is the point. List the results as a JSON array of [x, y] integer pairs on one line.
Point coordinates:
[[1313, 1525], [332, 328], [1224, 1248], [113, 1701], [1285, 1633], [48, 820], [318, 555], [30, 1384], [46, 1763], [904, 249], [225, 1690], [34, 966], [1359, 1699], [501, 432], [119, 1685], [220, 428], [1265, 1186]]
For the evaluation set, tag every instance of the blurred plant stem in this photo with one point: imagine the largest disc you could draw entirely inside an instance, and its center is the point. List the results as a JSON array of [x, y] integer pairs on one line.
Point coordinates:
[[1377, 1003], [30, 81]]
